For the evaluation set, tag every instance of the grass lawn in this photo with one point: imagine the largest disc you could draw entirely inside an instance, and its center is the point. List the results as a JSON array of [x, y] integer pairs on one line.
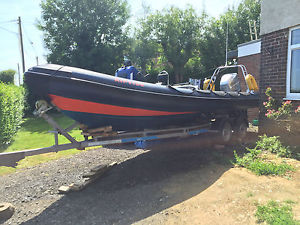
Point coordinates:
[[34, 134]]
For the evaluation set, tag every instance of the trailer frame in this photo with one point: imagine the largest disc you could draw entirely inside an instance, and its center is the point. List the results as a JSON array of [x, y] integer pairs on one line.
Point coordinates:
[[11, 158]]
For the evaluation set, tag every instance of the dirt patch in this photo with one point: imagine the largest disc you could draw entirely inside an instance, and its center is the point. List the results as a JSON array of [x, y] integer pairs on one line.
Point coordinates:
[[231, 199], [180, 182]]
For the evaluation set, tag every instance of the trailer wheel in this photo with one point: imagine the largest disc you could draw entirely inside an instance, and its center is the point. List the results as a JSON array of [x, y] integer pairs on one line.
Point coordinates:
[[225, 131], [241, 129]]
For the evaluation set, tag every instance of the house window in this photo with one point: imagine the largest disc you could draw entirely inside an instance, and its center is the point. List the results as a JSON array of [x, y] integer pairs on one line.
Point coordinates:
[[293, 67]]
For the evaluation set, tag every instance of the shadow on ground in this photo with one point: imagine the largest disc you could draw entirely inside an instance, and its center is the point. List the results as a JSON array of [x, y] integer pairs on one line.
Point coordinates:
[[170, 173]]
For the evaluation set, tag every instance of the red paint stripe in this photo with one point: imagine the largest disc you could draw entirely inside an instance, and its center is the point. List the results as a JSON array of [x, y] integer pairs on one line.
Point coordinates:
[[77, 105]]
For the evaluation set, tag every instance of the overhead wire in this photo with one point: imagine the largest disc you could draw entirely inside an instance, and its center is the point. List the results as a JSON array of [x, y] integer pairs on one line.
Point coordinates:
[[8, 30], [8, 21], [31, 55], [29, 40]]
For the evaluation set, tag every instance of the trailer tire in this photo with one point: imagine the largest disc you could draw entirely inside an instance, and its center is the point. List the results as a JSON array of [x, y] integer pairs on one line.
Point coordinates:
[[241, 130], [225, 131]]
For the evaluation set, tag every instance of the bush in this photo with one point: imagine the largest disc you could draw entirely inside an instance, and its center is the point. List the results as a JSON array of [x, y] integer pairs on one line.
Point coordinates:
[[11, 111], [274, 213], [7, 76], [30, 100], [283, 118], [275, 112], [248, 158], [254, 161], [273, 145], [259, 167]]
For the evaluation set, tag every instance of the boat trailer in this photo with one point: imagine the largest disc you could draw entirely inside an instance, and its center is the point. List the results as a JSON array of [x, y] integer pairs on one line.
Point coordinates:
[[101, 137]]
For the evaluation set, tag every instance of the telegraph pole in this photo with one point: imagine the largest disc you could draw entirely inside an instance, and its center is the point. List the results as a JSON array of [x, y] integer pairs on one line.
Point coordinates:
[[19, 75], [21, 43], [226, 57]]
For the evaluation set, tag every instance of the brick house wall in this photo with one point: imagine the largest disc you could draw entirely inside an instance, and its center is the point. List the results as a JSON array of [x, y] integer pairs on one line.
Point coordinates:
[[278, 18], [274, 50], [273, 72], [252, 63], [249, 55]]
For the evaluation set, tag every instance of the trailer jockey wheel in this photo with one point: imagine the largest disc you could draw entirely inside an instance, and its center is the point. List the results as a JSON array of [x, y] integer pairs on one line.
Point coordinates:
[[225, 131], [41, 105]]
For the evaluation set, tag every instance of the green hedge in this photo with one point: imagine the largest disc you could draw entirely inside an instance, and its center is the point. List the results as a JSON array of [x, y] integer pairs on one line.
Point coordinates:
[[11, 111], [7, 76]]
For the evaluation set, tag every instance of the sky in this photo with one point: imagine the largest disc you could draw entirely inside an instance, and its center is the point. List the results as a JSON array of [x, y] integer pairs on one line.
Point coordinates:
[[30, 13]]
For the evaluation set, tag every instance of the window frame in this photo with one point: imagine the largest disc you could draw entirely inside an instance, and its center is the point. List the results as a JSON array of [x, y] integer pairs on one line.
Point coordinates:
[[289, 95]]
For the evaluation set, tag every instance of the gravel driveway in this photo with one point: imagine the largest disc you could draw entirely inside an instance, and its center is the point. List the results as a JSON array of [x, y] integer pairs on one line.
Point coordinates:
[[131, 191]]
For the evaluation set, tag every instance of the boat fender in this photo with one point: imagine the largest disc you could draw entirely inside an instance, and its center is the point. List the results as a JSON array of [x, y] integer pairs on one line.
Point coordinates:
[[212, 86], [251, 82]]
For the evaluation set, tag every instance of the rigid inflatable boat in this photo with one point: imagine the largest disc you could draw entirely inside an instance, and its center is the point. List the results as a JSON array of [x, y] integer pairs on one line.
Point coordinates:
[[98, 100]]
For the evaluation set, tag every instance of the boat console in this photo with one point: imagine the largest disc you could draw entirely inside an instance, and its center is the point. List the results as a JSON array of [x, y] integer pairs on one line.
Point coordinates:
[[229, 83]]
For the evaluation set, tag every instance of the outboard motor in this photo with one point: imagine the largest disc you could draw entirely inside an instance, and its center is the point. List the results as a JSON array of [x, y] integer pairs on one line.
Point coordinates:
[[230, 83], [163, 78]]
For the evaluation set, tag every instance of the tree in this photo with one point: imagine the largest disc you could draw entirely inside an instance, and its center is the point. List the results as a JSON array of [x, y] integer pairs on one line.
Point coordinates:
[[177, 32], [213, 44], [85, 33], [248, 10], [7, 76], [143, 51]]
